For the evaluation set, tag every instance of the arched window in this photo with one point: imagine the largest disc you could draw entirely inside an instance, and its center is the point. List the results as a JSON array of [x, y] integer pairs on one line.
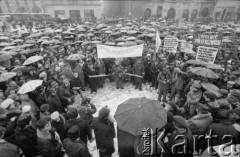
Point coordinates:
[[147, 13], [171, 13], [20, 10], [159, 11], [194, 15], [36, 9], [185, 14], [205, 12]]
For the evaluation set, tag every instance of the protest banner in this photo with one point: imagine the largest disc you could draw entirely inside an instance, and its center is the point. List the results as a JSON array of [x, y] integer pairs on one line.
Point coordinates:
[[206, 54], [158, 41], [212, 40], [104, 51], [170, 44]]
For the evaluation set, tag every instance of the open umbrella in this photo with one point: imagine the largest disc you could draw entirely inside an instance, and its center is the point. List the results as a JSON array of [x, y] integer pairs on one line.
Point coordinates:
[[136, 114], [32, 59], [5, 57], [214, 66], [195, 62], [204, 72], [29, 86], [19, 68], [6, 76], [75, 57]]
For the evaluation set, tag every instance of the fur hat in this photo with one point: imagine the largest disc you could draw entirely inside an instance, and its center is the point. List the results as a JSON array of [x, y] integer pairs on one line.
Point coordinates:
[[180, 121], [72, 113], [104, 112]]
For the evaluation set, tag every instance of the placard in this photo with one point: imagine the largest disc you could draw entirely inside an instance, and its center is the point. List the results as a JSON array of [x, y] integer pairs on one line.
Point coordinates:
[[206, 54], [170, 44], [212, 40]]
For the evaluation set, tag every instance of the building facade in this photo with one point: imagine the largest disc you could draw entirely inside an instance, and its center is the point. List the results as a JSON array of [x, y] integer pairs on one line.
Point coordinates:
[[219, 10]]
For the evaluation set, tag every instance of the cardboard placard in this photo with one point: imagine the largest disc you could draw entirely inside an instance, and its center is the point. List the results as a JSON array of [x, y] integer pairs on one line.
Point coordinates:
[[206, 54]]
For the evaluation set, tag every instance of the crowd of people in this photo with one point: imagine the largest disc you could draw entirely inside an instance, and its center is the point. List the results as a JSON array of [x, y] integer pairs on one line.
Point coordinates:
[[55, 118]]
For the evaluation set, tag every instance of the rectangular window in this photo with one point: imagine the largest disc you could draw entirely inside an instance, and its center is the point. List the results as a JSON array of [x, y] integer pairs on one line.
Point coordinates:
[[89, 14], [60, 13]]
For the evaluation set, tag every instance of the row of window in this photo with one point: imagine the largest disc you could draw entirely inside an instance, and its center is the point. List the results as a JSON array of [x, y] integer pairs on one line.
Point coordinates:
[[74, 14]]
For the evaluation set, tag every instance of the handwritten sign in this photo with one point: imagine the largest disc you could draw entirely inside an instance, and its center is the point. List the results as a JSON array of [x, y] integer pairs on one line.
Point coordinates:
[[206, 54], [214, 40], [170, 44]]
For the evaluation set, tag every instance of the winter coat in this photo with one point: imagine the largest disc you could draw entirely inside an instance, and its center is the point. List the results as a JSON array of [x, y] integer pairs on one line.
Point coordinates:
[[222, 128], [86, 112], [85, 132], [199, 123], [161, 78], [54, 103], [26, 139], [138, 69], [8, 150], [125, 142], [75, 148], [59, 126], [104, 133]]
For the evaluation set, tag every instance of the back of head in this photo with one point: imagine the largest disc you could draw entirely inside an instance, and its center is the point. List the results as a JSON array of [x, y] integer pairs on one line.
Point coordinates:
[[74, 132], [23, 121]]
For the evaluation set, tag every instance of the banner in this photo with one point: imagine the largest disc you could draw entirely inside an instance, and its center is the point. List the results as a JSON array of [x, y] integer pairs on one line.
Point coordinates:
[[207, 39], [186, 47], [206, 54], [158, 42], [170, 44], [104, 51]]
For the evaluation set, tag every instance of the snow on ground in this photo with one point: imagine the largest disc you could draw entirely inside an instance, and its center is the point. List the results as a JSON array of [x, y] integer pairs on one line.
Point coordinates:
[[112, 97]]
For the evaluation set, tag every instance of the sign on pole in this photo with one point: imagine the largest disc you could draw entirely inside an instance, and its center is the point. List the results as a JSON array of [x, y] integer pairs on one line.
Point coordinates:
[[206, 54], [212, 40]]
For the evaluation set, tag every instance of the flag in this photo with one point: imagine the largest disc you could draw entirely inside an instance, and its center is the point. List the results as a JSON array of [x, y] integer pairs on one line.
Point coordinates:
[[158, 41]]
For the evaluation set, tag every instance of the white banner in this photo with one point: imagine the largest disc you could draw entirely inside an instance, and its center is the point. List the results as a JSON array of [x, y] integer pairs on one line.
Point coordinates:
[[158, 42], [206, 54], [104, 51], [186, 47], [170, 44]]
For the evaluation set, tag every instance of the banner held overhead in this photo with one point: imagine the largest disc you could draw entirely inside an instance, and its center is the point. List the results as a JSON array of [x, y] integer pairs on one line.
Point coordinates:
[[206, 54], [104, 51]]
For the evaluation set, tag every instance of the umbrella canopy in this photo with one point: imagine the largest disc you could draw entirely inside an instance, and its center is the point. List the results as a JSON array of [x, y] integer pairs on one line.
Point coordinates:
[[32, 59], [204, 72], [195, 62], [19, 68], [29, 86], [135, 114], [75, 57], [5, 57], [214, 66], [6, 76]]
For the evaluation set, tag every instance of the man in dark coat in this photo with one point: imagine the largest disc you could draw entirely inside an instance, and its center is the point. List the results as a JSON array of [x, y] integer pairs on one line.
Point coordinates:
[[74, 119], [164, 78], [73, 145], [26, 136], [58, 122], [54, 101], [104, 132], [147, 68], [138, 69]]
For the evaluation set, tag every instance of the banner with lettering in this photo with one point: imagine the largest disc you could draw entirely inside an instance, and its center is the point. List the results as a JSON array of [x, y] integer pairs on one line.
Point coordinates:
[[206, 54], [104, 51], [170, 44], [158, 41], [212, 40]]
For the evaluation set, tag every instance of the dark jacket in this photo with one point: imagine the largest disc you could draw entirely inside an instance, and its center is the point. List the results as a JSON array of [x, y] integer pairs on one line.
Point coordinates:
[[161, 78], [26, 139], [85, 132], [86, 112], [75, 148], [138, 69], [54, 103], [104, 133], [125, 143], [59, 126]]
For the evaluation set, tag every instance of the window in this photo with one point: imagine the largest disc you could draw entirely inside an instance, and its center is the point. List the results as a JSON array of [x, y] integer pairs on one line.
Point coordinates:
[[59, 13], [89, 15], [74, 14]]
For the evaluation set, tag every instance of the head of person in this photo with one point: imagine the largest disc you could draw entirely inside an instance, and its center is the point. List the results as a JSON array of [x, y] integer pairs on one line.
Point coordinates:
[[26, 110], [24, 121], [53, 91], [164, 70], [195, 87], [180, 124], [55, 116], [234, 115], [44, 124], [72, 113], [66, 83], [44, 108], [74, 132], [139, 60], [104, 113], [223, 112], [75, 74]]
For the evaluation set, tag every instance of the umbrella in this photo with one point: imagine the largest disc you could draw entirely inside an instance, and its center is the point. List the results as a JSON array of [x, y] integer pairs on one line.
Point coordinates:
[[214, 66], [96, 42], [211, 88], [7, 75], [17, 41], [19, 68], [136, 114], [195, 62], [131, 38], [58, 31], [5, 57], [12, 53], [9, 48], [75, 57], [204, 72], [29, 51], [32, 59], [29, 86], [110, 43], [3, 44]]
